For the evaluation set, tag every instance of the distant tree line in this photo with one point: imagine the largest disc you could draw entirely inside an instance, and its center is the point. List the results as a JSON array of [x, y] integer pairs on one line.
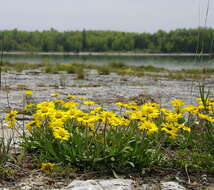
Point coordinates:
[[176, 41]]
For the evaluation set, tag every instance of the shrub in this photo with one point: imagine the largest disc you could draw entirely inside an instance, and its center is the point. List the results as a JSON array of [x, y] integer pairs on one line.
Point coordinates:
[[104, 70], [80, 73], [70, 69], [117, 64]]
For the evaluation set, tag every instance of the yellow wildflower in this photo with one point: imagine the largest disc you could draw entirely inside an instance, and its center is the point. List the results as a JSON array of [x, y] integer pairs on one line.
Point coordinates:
[[206, 117], [135, 115], [11, 118], [149, 126], [29, 125], [28, 106], [96, 110], [170, 129], [10, 115], [182, 126], [106, 116], [55, 94], [61, 133], [47, 167], [120, 104], [62, 102], [11, 123], [59, 114], [191, 109], [74, 113], [56, 124], [89, 103], [46, 104], [71, 96], [132, 105], [71, 104], [119, 121], [153, 104], [177, 103], [206, 102], [173, 117], [150, 112], [28, 92]]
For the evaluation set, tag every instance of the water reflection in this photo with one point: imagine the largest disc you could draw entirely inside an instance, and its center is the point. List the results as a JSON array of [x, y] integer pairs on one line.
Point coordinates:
[[169, 62]]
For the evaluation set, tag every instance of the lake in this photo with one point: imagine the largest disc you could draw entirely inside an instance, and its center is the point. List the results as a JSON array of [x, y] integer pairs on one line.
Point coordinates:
[[168, 62]]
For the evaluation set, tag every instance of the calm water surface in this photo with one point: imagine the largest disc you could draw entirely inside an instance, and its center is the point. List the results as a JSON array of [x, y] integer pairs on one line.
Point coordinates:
[[168, 62]]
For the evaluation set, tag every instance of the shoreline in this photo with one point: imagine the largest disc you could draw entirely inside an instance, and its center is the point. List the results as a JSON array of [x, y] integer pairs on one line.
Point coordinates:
[[110, 54]]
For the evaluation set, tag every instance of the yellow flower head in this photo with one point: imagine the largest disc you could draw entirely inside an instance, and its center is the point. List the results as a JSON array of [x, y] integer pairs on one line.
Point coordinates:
[[172, 117], [11, 123], [28, 106], [56, 124], [28, 92], [13, 113], [71, 96], [71, 104], [61, 133], [120, 104], [150, 112], [132, 105], [59, 114], [55, 95], [177, 103], [96, 110], [89, 103], [149, 126], [191, 109], [30, 125], [170, 129], [47, 167], [11, 118], [206, 117]]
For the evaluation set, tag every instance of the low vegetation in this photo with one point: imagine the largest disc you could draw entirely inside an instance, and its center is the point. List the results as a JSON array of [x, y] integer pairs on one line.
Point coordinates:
[[78, 133], [115, 66]]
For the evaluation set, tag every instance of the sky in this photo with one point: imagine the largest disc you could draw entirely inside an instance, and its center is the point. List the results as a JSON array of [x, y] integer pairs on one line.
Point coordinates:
[[120, 15]]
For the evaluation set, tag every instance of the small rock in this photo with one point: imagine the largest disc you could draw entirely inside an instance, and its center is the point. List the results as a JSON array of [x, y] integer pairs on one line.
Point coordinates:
[[113, 184], [150, 187], [171, 186]]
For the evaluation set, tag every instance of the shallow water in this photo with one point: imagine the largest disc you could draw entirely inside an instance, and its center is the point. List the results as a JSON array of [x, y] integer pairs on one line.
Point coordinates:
[[168, 62]]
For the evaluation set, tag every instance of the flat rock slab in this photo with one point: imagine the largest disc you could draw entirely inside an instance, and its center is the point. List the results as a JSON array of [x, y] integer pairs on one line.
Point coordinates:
[[120, 184], [114, 184], [171, 186]]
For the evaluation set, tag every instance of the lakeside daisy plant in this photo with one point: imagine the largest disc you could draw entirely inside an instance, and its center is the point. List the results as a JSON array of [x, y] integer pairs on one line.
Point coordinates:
[[96, 138]]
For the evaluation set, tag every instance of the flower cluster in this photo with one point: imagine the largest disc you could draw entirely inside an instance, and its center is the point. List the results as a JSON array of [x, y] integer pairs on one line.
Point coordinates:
[[80, 132], [149, 117]]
